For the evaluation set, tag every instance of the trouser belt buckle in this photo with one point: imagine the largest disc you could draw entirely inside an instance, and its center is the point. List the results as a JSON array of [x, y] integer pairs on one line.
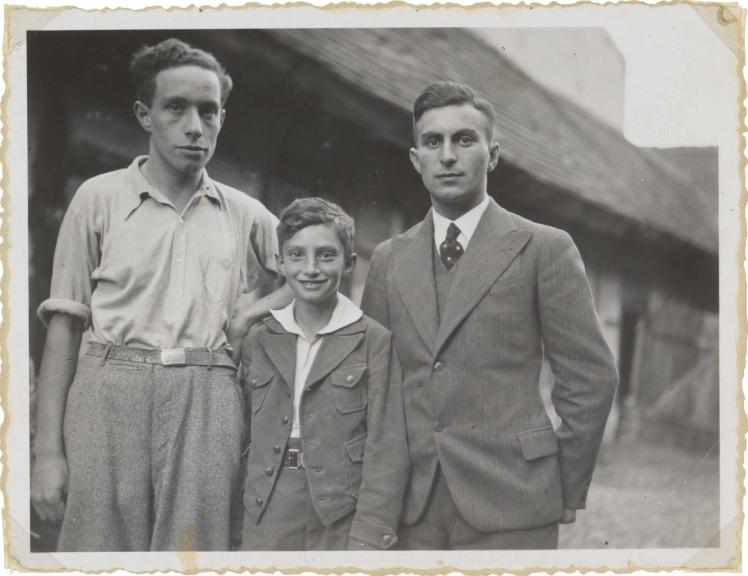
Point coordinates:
[[295, 459], [173, 357]]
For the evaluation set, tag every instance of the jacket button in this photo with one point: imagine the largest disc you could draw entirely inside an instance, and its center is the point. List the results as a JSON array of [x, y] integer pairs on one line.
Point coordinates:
[[259, 501], [288, 393], [254, 380], [285, 419], [438, 366], [276, 449], [386, 538], [269, 471], [350, 378]]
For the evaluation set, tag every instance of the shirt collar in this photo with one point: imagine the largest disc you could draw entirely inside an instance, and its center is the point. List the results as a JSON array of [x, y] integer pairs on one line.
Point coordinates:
[[141, 187], [344, 314], [467, 223]]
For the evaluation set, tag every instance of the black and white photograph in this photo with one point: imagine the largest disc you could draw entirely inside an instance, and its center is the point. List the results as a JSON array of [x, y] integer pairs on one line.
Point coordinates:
[[374, 288]]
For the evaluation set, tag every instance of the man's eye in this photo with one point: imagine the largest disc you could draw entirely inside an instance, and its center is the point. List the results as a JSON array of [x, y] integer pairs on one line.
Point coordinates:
[[432, 142], [174, 108], [294, 255], [209, 113], [327, 256], [466, 140]]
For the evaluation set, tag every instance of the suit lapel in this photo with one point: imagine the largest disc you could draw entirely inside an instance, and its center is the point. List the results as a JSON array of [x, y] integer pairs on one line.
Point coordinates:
[[280, 347], [494, 245], [334, 349], [414, 278]]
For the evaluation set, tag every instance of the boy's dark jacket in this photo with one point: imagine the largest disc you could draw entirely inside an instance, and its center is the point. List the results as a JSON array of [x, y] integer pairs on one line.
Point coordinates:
[[352, 425]]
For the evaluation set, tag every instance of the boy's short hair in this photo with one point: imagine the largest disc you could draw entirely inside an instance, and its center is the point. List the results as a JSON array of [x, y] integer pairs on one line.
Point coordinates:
[[312, 211], [147, 62], [442, 94]]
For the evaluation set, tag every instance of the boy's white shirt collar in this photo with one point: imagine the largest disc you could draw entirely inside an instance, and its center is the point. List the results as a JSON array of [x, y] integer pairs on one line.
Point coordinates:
[[344, 314], [467, 223]]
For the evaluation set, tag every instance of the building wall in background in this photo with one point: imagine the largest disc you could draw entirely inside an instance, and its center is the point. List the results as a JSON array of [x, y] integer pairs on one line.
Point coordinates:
[[581, 64]]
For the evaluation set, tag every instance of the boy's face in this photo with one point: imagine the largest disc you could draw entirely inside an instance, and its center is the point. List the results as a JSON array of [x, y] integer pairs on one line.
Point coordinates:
[[313, 262], [184, 118]]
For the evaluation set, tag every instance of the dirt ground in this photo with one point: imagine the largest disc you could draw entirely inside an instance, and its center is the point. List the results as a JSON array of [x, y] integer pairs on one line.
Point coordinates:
[[647, 496]]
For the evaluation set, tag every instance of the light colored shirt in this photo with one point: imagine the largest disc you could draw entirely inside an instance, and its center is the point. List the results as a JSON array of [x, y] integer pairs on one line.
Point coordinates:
[[467, 223], [345, 313], [141, 274]]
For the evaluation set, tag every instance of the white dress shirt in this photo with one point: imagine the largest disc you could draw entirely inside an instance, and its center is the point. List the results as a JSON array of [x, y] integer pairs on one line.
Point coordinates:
[[467, 223], [345, 313]]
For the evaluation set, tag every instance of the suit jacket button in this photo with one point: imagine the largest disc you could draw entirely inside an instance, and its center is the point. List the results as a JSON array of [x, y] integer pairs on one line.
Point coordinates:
[[269, 471], [259, 501], [350, 378], [276, 449], [285, 419], [438, 366], [386, 538]]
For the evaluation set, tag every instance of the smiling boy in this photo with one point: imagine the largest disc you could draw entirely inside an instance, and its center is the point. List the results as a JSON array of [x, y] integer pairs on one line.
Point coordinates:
[[138, 443], [328, 458]]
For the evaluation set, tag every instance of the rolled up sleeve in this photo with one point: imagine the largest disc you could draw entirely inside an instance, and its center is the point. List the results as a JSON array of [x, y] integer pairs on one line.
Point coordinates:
[[76, 256], [261, 267]]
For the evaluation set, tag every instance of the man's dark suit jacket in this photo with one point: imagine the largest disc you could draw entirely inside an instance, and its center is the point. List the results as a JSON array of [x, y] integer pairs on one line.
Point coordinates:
[[471, 379]]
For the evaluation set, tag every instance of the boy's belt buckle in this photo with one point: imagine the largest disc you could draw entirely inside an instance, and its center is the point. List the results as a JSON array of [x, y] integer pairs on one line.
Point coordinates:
[[173, 357], [295, 460]]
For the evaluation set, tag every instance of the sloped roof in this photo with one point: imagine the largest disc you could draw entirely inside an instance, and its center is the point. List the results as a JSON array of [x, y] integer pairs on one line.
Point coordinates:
[[540, 132]]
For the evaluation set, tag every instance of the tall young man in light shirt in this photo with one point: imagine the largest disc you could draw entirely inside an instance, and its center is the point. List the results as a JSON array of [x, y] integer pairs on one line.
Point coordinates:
[[475, 297], [138, 443]]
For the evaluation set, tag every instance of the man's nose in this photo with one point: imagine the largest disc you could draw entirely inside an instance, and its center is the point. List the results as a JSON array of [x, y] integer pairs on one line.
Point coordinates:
[[447, 155], [192, 125]]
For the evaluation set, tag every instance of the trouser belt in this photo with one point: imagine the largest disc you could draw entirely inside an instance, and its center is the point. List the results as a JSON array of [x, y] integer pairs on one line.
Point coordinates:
[[170, 357], [294, 456]]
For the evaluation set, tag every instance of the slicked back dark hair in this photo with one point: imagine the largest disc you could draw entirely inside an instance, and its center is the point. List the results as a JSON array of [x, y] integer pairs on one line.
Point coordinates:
[[312, 211], [442, 94], [147, 62]]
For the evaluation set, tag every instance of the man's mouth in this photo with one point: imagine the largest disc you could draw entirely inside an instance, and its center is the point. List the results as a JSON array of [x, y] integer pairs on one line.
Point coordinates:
[[193, 148], [447, 175], [311, 284]]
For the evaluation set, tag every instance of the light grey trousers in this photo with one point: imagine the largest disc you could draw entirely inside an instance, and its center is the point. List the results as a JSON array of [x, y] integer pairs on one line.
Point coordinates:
[[153, 454]]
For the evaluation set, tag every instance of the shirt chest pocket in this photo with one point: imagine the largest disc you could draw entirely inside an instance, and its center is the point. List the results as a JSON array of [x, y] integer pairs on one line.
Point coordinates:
[[259, 384], [349, 388]]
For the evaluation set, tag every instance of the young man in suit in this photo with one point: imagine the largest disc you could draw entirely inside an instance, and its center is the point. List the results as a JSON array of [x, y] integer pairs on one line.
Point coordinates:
[[475, 297]]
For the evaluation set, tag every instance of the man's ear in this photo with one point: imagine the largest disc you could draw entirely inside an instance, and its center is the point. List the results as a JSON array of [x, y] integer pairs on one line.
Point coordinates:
[[350, 265], [223, 115], [495, 151], [414, 159], [143, 114]]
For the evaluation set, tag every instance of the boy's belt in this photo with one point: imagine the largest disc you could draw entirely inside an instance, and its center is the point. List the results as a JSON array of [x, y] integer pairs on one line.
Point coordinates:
[[294, 457], [171, 357]]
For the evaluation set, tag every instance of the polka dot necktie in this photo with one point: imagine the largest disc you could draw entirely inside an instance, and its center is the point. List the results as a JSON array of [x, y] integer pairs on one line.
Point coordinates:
[[450, 250]]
